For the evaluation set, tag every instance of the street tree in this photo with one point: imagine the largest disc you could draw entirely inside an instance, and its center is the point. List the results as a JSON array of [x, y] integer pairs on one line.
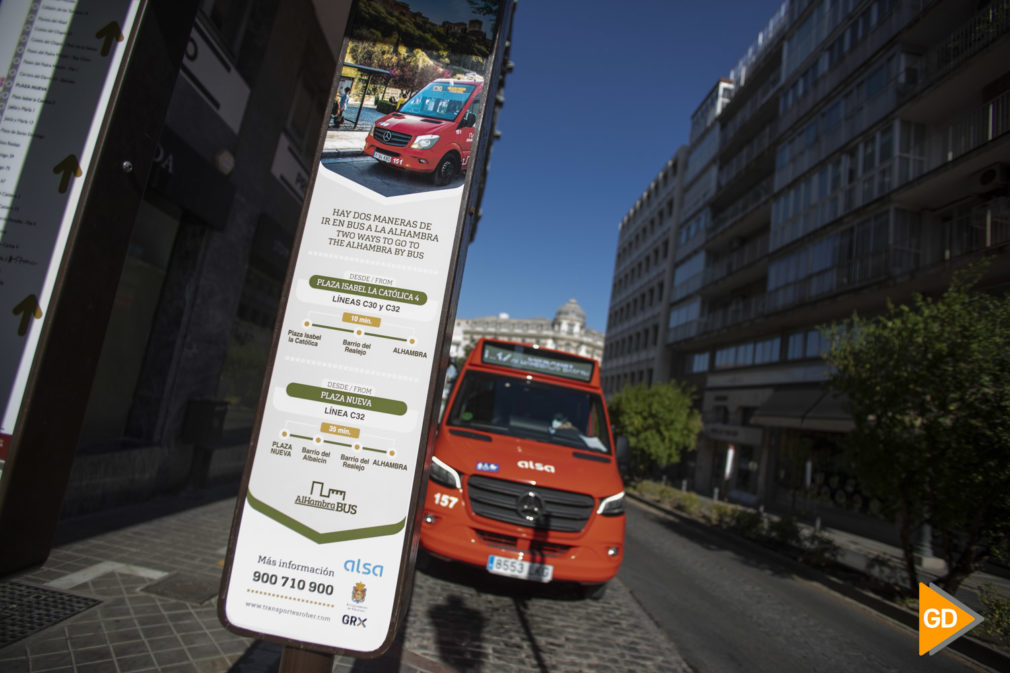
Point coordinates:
[[928, 387], [660, 422]]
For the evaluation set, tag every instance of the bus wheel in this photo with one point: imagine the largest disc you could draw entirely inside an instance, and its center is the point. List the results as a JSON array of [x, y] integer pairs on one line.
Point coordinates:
[[446, 170]]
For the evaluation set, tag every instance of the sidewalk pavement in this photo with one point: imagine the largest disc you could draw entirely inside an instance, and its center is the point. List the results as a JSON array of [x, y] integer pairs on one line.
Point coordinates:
[[349, 140], [141, 598], [344, 143], [887, 562]]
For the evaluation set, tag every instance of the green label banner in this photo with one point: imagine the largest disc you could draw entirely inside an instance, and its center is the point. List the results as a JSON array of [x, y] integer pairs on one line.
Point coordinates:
[[398, 294], [345, 399]]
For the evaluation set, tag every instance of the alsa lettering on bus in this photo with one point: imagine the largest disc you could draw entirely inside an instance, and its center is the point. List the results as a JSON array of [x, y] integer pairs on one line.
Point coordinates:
[[539, 467]]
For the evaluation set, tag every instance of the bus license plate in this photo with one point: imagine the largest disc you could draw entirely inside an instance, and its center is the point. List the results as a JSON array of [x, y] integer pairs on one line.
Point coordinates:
[[382, 157], [524, 570]]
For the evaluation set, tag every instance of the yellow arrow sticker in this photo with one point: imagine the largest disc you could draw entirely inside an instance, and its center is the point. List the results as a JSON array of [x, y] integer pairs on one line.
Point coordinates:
[[27, 309], [109, 34], [942, 619], [66, 169]]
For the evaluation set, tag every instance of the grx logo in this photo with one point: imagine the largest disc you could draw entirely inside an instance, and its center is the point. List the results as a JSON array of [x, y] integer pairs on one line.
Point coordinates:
[[354, 620]]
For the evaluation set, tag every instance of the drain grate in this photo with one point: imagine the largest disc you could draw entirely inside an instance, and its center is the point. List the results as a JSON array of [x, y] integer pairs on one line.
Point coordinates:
[[25, 609]]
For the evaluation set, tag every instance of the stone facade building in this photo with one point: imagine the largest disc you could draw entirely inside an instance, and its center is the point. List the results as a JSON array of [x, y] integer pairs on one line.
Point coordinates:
[[566, 332]]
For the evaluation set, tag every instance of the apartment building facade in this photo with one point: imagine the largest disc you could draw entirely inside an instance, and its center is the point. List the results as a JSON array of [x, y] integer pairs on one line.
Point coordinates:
[[862, 155], [636, 319]]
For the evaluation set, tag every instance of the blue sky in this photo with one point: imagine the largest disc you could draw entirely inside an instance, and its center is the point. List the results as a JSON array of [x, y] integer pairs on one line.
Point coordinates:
[[600, 98]]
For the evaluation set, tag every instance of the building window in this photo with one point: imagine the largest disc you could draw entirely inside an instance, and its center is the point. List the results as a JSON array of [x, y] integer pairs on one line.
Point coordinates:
[[816, 345], [745, 354], [767, 351], [795, 347], [725, 357], [685, 313], [699, 363]]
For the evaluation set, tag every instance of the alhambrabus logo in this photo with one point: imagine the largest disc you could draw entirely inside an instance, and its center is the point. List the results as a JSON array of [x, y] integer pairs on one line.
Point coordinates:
[[332, 499]]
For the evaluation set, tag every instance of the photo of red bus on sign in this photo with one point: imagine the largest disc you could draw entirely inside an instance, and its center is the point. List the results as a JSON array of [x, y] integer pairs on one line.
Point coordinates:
[[432, 132]]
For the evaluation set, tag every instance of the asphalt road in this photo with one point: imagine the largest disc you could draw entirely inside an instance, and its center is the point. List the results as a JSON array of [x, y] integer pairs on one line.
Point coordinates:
[[727, 608]]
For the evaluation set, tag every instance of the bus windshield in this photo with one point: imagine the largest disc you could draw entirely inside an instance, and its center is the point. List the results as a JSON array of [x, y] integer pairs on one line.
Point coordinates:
[[439, 100], [530, 410]]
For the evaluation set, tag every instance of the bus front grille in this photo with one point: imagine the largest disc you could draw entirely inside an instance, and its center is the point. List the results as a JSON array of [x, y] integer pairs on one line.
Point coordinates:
[[391, 138], [529, 506]]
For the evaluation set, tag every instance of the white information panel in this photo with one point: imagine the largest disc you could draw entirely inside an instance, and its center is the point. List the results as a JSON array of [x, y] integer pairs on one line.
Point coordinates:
[[60, 59], [322, 526]]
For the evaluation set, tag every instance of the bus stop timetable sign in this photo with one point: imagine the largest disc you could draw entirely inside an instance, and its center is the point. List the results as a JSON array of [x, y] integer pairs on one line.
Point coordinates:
[[320, 546]]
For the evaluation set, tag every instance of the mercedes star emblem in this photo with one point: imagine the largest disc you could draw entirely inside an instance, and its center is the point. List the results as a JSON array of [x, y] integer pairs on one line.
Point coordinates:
[[530, 506]]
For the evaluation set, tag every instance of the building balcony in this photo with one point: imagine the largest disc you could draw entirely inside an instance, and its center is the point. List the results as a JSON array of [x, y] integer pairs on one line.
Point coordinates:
[[855, 60], [689, 286], [759, 194], [987, 26], [682, 332], [848, 275], [756, 102], [757, 146], [739, 310], [750, 253], [976, 128]]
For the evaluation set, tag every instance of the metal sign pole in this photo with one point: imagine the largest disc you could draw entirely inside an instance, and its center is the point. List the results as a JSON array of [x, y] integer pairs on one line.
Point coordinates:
[[296, 660]]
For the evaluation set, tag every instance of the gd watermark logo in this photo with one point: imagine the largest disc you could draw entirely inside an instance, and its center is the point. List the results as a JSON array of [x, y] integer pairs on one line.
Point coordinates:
[[942, 619]]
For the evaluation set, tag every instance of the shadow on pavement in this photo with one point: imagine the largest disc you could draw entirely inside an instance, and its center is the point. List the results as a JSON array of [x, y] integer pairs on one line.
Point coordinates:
[[261, 657], [701, 535], [458, 631]]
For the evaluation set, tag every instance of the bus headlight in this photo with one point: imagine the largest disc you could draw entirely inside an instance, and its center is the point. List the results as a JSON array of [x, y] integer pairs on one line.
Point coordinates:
[[612, 506], [444, 475], [424, 142]]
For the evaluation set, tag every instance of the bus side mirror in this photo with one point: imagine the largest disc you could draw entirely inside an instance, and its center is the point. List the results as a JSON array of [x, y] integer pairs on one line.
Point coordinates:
[[469, 119], [623, 453]]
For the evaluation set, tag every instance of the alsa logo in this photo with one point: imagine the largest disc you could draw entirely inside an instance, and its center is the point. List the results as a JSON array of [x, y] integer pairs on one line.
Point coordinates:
[[354, 620], [357, 566], [539, 467]]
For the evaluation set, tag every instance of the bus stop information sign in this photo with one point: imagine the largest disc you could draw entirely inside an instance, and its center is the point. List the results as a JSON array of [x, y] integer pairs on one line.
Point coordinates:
[[320, 553], [58, 65]]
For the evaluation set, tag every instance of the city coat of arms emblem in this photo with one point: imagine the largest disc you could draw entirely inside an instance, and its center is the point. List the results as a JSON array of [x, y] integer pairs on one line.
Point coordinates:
[[358, 592]]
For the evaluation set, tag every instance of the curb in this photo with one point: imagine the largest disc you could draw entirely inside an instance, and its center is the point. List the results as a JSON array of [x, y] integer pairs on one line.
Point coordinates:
[[340, 154], [967, 646]]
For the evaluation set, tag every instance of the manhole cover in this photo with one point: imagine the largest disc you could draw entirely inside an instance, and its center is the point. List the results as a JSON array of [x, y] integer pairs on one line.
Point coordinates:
[[182, 587], [25, 609]]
